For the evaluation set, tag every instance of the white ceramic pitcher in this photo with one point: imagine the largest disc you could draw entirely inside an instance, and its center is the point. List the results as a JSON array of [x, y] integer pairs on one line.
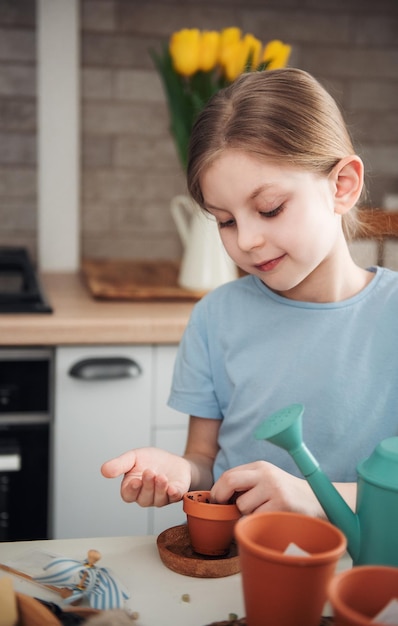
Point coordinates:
[[205, 263]]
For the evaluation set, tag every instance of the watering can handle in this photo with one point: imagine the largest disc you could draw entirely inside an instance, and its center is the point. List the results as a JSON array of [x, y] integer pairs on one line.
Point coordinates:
[[180, 207]]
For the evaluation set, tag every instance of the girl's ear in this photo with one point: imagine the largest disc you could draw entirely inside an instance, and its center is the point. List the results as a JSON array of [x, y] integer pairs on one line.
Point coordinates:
[[347, 180]]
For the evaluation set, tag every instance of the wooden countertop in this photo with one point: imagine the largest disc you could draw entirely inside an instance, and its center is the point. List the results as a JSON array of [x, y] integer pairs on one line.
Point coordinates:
[[79, 319]]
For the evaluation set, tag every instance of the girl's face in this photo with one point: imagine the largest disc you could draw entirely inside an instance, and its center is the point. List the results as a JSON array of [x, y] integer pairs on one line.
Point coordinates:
[[275, 222]]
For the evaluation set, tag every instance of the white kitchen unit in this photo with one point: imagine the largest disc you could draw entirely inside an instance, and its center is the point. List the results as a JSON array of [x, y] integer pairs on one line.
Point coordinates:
[[109, 399], [169, 431]]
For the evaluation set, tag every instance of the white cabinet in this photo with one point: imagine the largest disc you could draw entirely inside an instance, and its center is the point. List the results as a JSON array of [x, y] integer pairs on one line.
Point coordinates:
[[169, 432], [96, 418]]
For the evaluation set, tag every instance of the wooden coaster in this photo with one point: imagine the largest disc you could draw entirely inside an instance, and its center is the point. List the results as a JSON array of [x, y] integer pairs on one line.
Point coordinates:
[[176, 553]]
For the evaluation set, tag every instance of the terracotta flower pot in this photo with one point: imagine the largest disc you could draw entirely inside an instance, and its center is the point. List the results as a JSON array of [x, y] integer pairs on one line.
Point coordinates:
[[359, 594], [210, 526], [286, 589]]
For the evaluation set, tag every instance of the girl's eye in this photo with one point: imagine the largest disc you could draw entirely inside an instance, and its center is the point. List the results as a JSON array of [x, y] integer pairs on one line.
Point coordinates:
[[226, 224], [267, 214], [272, 213]]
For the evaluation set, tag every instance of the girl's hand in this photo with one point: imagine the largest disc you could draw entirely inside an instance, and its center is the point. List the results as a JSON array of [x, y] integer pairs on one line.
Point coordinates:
[[261, 486], [152, 477]]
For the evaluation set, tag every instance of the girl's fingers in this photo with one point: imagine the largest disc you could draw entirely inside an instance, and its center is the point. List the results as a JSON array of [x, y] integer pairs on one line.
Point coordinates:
[[130, 488], [153, 490], [119, 465], [161, 484]]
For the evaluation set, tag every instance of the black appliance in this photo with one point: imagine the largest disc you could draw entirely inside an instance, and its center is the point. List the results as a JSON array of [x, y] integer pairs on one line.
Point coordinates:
[[25, 431], [20, 288]]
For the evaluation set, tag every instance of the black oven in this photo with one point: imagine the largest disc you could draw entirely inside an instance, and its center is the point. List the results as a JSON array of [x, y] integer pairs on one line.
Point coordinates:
[[25, 432]]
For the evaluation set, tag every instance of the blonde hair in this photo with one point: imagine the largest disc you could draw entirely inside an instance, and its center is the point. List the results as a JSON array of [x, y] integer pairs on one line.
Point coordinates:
[[284, 115]]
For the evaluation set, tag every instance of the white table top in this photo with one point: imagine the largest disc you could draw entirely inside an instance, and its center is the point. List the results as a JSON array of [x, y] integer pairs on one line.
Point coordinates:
[[156, 592]]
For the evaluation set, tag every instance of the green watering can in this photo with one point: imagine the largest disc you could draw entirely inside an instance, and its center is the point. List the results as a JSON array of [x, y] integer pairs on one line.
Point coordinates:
[[372, 532]]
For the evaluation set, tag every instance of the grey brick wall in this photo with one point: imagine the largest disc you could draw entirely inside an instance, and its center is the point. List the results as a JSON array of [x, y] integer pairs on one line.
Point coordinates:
[[129, 165], [18, 160]]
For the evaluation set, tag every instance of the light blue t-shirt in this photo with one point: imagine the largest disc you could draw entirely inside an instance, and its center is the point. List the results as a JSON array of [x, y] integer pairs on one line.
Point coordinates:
[[248, 352]]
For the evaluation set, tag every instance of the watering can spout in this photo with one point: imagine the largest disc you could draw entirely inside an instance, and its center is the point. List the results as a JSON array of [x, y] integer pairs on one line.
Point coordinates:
[[284, 429]]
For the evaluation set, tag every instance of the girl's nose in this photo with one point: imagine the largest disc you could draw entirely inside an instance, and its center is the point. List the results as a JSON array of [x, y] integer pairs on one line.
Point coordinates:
[[249, 237]]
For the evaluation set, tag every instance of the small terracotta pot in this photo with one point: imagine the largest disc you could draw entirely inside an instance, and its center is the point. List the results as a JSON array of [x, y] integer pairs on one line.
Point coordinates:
[[210, 526], [359, 594], [282, 589]]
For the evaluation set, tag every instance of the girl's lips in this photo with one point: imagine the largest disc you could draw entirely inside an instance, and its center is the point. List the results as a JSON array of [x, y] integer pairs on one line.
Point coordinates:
[[269, 265]]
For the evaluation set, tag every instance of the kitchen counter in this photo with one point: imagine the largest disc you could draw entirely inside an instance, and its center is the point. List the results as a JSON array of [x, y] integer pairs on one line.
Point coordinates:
[[78, 318], [157, 594]]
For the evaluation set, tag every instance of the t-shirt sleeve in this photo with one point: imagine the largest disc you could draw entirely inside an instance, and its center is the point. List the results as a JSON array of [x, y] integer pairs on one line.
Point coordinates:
[[192, 389]]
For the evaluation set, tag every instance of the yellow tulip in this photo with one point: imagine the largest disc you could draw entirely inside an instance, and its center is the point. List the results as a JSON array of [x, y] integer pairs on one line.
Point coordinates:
[[236, 55], [209, 50], [228, 37], [232, 33], [235, 52], [233, 60], [251, 46], [184, 49], [277, 53]]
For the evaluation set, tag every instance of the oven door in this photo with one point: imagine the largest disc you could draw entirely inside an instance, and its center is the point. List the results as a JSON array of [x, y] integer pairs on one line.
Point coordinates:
[[24, 481], [25, 423]]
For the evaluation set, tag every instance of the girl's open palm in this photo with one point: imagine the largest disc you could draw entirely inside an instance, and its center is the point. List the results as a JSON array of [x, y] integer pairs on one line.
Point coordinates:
[[152, 477]]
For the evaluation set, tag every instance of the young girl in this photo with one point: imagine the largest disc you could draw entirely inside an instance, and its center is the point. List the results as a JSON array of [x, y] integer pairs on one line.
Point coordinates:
[[272, 160]]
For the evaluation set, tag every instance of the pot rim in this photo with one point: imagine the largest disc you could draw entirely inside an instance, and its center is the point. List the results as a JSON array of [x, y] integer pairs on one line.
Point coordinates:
[[209, 510], [315, 558], [340, 605]]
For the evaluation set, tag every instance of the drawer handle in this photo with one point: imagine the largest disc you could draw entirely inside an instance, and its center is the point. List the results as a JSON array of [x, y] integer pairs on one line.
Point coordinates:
[[105, 368]]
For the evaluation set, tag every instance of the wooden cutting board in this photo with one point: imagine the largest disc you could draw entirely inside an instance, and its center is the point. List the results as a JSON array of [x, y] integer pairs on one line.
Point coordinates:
[[135, 280]]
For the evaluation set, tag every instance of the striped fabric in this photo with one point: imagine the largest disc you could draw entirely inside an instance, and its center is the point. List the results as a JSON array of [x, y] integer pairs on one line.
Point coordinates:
[[97, 584]]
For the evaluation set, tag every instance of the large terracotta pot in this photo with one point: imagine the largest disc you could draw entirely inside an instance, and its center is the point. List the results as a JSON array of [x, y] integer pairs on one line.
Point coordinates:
[[210, 526], [282, 588]]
